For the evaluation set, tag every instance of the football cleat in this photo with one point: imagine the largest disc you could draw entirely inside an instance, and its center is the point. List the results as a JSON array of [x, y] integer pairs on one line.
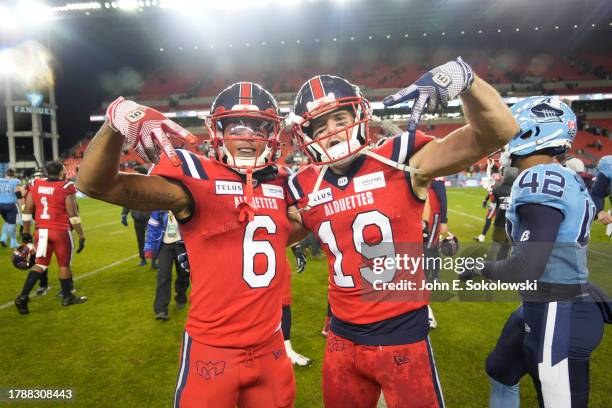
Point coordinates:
[[162, 316], [73, 300], [42, 291], [479, 238], [24, 256], [22, 304]]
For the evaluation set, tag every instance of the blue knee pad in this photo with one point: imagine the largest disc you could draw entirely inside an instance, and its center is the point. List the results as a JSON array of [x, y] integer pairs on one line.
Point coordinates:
[[504, 396]]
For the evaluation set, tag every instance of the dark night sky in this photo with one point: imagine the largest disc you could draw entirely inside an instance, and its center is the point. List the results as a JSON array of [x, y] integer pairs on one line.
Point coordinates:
[[88, 48]]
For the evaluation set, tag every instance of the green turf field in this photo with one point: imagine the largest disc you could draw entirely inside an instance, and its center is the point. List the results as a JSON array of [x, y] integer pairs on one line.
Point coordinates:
[[113, 353]]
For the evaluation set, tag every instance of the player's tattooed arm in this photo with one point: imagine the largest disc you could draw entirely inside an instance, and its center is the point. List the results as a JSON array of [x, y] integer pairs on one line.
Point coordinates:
[[99, 177], [490, 125]]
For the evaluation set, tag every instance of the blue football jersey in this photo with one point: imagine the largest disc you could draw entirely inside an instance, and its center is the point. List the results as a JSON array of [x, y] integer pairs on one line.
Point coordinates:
[[605, 167], [561, 188], [7, 190]]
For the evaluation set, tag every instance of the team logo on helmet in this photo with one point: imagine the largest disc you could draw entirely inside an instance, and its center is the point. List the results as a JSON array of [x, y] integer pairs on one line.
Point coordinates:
[[546, 113]]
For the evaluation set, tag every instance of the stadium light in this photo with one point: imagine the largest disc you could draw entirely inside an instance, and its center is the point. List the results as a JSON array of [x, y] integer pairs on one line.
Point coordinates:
[[33, 13], [8, 18], [127, 5]]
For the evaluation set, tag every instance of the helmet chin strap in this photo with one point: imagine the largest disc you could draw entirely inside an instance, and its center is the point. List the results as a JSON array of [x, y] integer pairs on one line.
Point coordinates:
[[247, 207]]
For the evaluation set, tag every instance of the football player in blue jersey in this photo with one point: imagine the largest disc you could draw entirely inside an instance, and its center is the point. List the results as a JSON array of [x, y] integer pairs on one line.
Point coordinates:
[[601, 190], [552, 334], [10, 192]]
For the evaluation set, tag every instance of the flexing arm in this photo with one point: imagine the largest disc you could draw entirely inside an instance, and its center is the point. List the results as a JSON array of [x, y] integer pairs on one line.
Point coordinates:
[[490, 126], [99, 177]]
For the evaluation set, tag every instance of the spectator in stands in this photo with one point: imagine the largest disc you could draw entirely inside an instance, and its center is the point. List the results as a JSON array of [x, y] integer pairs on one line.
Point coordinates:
[[140, 218], [596, 144]]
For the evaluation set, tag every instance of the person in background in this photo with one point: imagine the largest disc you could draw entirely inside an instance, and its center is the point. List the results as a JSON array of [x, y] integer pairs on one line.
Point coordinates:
[[577, 165], [140, 219], [10, 192], [164, 240]]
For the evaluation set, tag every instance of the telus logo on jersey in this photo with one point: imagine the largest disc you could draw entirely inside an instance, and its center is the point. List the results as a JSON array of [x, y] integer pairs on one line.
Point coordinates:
[[228, 187], [321, 196]]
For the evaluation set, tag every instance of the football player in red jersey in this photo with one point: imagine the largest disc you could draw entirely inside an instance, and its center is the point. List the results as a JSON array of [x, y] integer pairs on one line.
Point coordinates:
[[52, 200], [365, 204], [233, 218]]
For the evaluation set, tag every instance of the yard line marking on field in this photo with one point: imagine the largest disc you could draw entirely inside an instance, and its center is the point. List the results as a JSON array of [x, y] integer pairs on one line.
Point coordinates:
[[465, 214], [85, 275], [116, 232], [101, 225], [601, 253]]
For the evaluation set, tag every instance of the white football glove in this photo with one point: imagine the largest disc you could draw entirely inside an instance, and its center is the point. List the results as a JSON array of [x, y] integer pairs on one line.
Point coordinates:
[[146, 130]]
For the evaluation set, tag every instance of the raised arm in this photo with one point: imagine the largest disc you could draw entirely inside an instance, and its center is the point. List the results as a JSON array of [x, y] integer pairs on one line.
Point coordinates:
[[147, 130], [490, 126], [99, 177]]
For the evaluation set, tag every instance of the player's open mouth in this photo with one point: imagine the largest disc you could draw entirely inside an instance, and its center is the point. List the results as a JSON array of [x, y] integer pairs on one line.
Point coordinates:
[[246, 150]]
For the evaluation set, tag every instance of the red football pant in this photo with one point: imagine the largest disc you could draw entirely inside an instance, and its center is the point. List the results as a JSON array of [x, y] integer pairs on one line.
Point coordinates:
[[354, 375], [49, 241], [213, 377]]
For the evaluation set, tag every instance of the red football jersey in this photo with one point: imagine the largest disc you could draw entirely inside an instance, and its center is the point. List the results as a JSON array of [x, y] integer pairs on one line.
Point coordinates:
[[49, 197], [368, 212], [237, 268]]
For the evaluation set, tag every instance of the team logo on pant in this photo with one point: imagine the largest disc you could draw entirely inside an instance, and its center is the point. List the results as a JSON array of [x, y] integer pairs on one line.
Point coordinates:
[[210, 369], [400, 360], [277, 353], [335, 344]]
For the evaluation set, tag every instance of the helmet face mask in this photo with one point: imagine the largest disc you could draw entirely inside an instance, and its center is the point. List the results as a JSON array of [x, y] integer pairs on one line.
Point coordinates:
[[244, 126], [349, 134]]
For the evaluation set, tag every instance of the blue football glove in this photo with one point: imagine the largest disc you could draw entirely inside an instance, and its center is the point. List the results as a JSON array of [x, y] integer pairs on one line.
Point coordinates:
[[183, 261], [300, 258], [434, 88]]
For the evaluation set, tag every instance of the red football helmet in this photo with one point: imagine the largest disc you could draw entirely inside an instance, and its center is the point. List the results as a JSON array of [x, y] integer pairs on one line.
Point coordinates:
[[24, 256], [245, 116], [320, 96]]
